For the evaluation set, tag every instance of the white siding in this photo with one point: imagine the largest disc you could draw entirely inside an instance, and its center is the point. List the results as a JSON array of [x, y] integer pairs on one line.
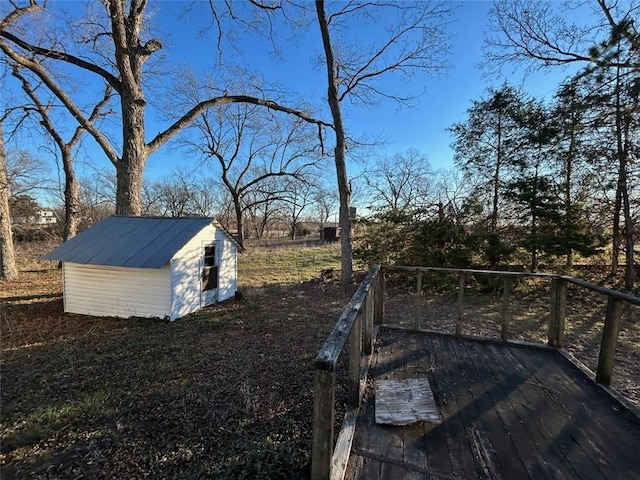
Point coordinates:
[[116, 291], [186, 276], [228, 282]]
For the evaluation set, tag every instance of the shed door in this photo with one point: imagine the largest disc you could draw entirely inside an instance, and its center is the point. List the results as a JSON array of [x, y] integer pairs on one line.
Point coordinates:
[[210, 273]]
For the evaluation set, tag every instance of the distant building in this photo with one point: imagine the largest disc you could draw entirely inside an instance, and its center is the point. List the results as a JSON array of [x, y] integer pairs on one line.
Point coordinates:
[[40, 218], [45, 217], [331, 234]]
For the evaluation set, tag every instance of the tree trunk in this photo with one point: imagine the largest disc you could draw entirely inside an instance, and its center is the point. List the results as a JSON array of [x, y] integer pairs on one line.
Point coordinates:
[[569, 214], [496, 177], [629, 221], [346, 276], [622, 135], [344, 190], [134, 157], [71, 195], [615, 234], [630, 273], [129, 186], [130, 56], [294, 224], [8, 266], [239, 219], [534, 226]]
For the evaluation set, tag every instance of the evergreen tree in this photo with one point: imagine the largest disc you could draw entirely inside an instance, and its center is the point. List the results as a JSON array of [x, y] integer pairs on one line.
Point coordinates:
[[536, 205], [485, 146], [575, 179]]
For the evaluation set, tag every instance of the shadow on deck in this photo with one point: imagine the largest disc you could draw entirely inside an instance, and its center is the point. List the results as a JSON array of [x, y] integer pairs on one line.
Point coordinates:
[[511, 412]]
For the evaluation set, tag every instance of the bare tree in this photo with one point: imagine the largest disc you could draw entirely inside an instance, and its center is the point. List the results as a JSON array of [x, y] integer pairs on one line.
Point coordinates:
[[250, 147], [324, 204], [115, 49], [20, 173], [66, 149], [402, 182], [97, 194], [27, 174], [414, 42], [297, 198], [262, 205], [181, 193], [8, 266], [224, 211], [452, 191], [544, 34]]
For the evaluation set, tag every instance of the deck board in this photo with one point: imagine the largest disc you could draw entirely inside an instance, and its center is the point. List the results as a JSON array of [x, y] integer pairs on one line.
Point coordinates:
[[508, 412]]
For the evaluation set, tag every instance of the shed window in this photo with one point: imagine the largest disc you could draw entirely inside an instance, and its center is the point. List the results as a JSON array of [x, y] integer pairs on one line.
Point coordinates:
[[210, 256], [210, 270]]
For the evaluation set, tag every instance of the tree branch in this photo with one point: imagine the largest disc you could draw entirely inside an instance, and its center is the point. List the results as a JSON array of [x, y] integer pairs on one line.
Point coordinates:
[[192, 114], [42, 74], [65, 57]]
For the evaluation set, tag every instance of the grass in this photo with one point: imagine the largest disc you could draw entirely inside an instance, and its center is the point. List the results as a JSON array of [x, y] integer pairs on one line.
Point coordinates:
[[45, 421], [260, 266]]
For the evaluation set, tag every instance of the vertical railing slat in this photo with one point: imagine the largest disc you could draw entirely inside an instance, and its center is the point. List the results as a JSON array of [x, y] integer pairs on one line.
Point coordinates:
[[379, 299], [609, 341], [460, 305], [323, 420], [506, 307], [558, 309], [418, 301], [355, 356], [368, 315]]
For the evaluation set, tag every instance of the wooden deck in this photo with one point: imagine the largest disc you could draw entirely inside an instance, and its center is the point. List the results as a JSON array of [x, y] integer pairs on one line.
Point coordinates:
[[508, 412]]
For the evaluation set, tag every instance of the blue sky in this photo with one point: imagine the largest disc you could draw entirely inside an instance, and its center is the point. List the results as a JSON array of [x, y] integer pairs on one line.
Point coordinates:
[[422, 126]]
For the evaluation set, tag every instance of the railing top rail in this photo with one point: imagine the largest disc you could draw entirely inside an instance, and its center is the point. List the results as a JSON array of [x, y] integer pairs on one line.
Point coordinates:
[[328, 355], [576, 281], [467, 270], [603, 290]]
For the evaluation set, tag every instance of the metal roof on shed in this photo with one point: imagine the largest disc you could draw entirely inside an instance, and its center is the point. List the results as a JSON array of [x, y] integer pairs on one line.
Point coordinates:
[[137, 242]]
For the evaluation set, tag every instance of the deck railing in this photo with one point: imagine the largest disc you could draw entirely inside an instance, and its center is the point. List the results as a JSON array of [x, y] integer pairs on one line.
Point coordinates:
[[356, 324], [366, 309]]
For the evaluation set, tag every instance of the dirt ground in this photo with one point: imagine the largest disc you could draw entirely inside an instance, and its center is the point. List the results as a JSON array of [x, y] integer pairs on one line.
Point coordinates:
[[225, 393]]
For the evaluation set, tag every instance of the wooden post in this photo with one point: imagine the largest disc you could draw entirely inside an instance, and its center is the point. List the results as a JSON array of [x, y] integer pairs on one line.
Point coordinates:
[[460, 306], [379, 299], [355, 357], [368, 313], [506, 307], [323, 420], [418, 300], [558, 309], [609, 340]]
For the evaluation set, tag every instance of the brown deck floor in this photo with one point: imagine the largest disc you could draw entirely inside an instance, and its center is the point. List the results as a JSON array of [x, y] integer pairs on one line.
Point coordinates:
[[508, 413]]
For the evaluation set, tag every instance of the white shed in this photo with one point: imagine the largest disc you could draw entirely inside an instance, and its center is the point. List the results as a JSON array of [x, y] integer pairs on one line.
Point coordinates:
[[147, 267]]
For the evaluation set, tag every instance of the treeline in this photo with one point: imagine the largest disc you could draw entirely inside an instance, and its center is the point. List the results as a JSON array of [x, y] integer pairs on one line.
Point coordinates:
[[279, 207], [554, 182]]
